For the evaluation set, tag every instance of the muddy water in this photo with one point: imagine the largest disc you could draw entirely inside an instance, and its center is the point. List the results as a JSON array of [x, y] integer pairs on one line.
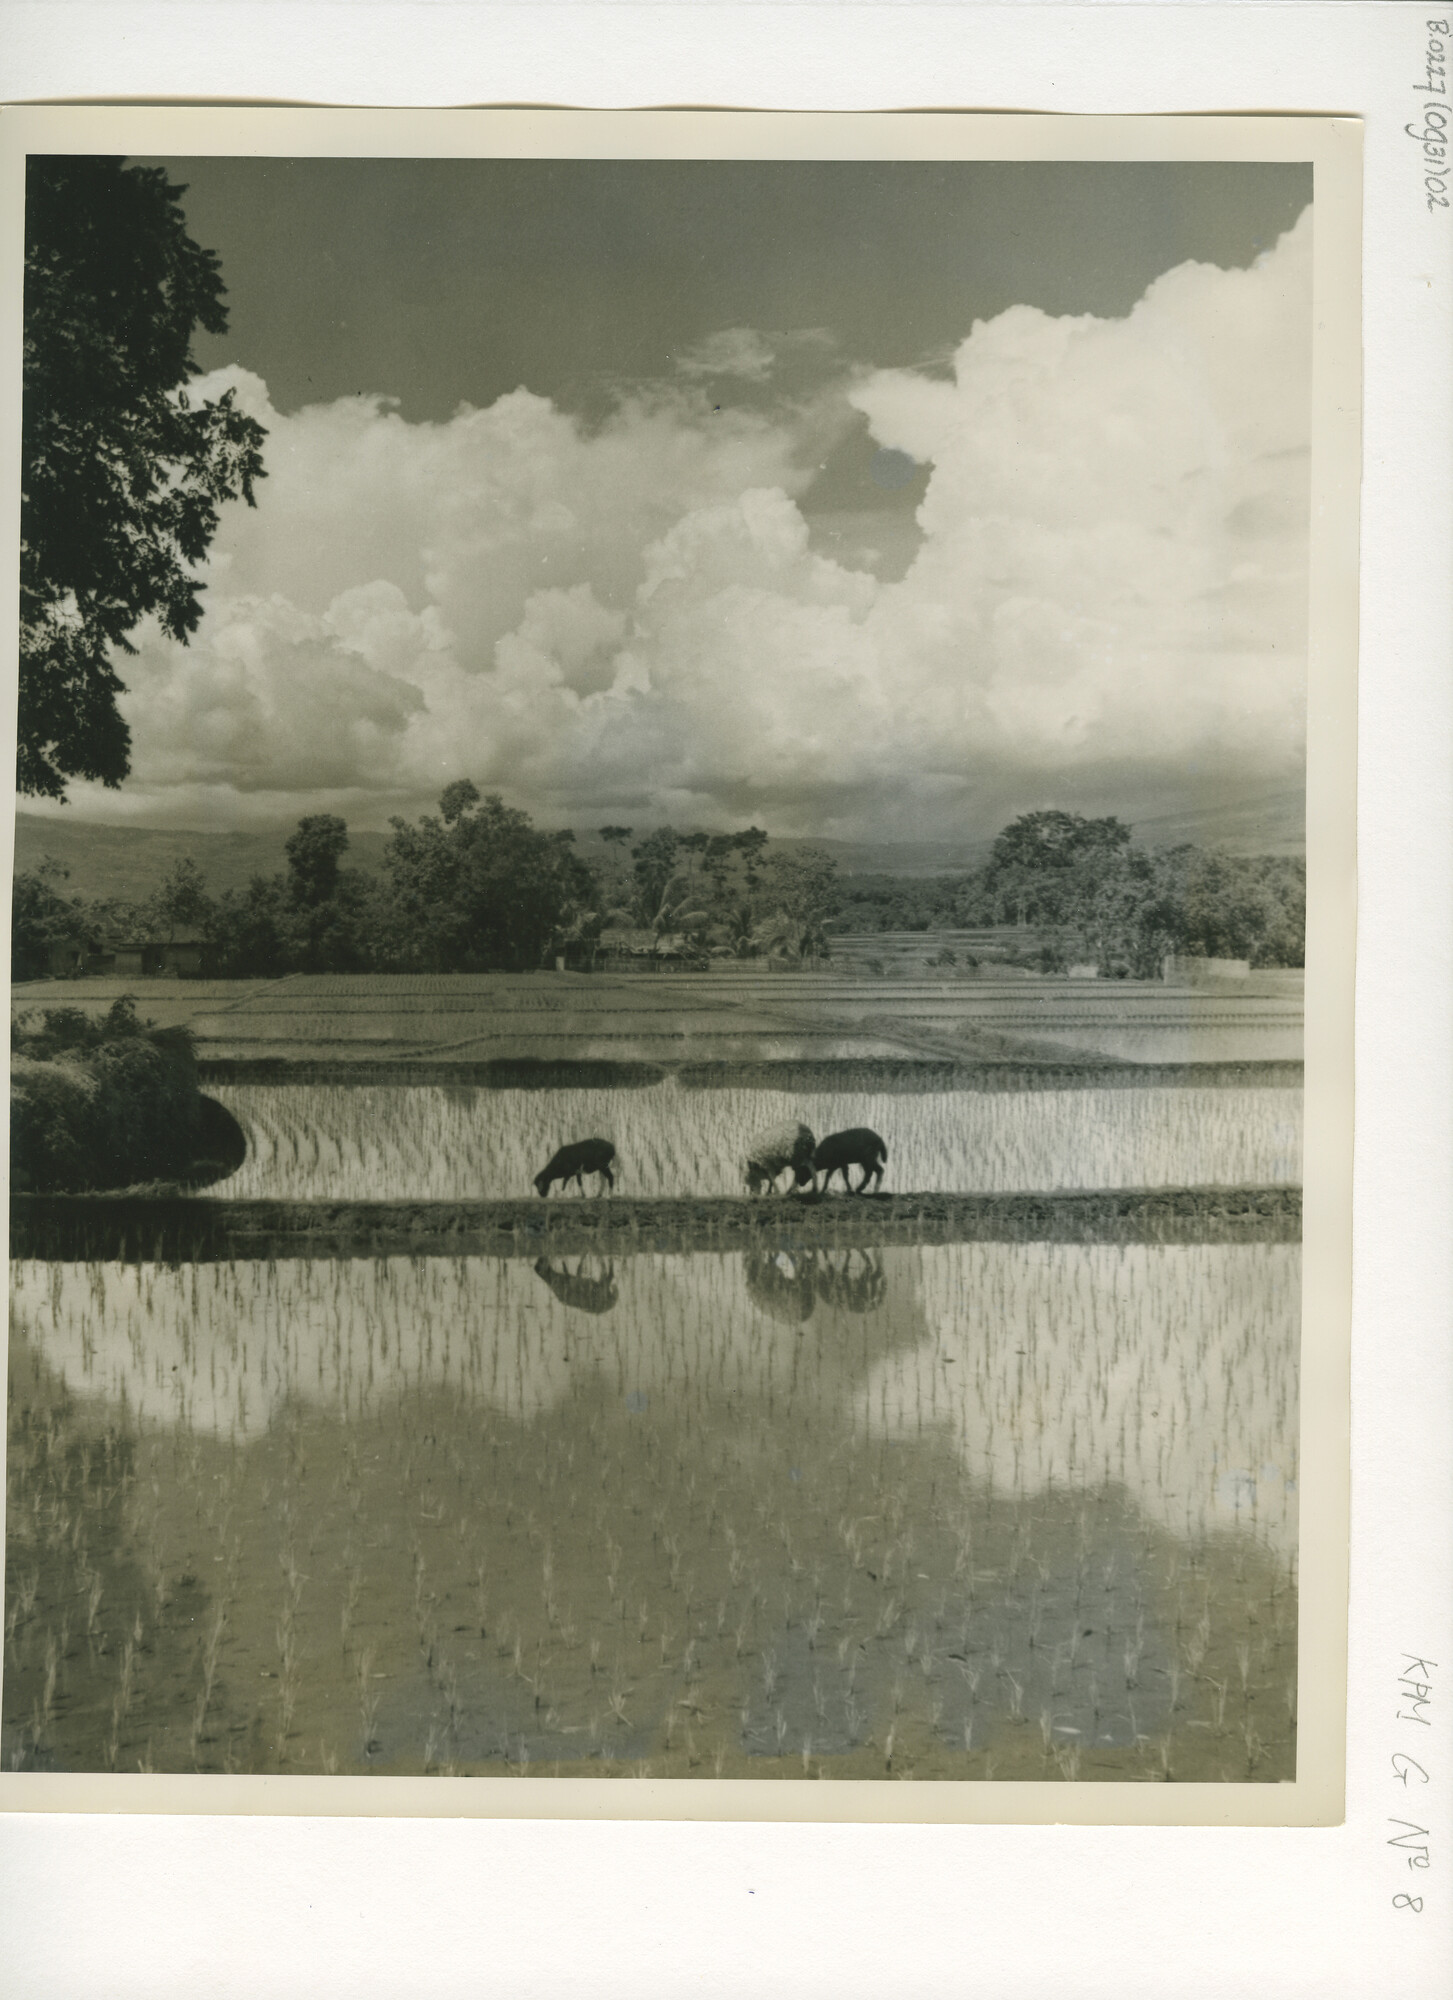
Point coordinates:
[[439, 1142], [977, 1510]]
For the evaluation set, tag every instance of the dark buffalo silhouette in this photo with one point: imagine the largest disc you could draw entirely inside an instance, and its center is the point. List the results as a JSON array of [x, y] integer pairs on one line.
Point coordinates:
[[786, 1146], [841, 1150], [572, 1163], [853, 1280], [587, 1291]]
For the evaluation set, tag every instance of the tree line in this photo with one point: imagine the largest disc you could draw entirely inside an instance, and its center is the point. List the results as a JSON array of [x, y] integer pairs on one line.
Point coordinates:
[[1101, 899], [1124, 907], [476, 887]]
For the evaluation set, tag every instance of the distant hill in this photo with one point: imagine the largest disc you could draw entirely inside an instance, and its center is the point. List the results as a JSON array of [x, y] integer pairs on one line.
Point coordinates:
[[1273, 825], [899, 857], [132, 861]]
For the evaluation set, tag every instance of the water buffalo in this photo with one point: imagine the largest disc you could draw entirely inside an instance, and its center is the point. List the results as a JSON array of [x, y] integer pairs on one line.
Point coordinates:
[[785, 1146], [841, 1150], [591, 1291], [572, 1163]]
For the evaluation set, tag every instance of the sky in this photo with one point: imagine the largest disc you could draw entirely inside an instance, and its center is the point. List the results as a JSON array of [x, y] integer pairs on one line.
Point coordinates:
[[856, 500]]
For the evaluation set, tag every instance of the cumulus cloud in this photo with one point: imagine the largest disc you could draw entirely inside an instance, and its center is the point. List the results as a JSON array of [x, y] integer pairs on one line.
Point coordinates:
[[1115, 529], [1110, 588]]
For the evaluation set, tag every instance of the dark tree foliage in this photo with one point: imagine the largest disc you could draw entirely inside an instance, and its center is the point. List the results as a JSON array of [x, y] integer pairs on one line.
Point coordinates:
[[1234, 906], [478, 889], [456, 799], [97, 1104], [314, 853], [181, 907], [122, 478], [1038, 862], [802, 897], [249, 934], [1052, 840], [716, 859], [41, 916], [323, 924], [655, 865], [749, 845], [899, 903], [1125, 907], [272, 927], [699, 888]]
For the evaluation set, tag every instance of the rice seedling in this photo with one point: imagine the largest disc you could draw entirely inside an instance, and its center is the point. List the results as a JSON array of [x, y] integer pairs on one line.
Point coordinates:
[[368, 1699], [288, 1676], [209, 1676], [349, 1608], [422, 1142], [121, 1705]]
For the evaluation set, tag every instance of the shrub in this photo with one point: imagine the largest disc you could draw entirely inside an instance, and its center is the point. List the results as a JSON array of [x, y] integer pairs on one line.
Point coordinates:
[[51, 1110], [97, 1104]]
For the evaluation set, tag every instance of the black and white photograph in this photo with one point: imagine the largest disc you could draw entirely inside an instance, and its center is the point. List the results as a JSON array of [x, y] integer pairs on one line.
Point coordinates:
[[659, 967]]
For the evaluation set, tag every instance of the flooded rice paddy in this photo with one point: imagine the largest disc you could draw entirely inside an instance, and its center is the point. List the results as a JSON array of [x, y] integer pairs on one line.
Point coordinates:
[[738, 1012], [987, 1510], [1181, 1042], [396, 1142]]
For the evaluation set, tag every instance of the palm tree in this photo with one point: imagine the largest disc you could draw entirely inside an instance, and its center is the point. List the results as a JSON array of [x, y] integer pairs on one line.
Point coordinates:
[[741, 931], [782, 936]]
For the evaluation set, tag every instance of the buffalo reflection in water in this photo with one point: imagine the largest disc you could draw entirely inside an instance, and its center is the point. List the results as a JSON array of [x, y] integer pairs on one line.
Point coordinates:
[[781, 1283], [787, 1284], [852, 1280], [590, 1287]]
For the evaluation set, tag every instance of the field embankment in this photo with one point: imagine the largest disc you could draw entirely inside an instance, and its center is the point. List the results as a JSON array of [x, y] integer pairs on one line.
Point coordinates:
[[201, 1229], [1035, 1072]]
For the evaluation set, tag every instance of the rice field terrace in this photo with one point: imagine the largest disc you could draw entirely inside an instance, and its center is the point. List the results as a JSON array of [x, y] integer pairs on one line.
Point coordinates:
[[988, 1511], [395, 1142], [369, 1461]]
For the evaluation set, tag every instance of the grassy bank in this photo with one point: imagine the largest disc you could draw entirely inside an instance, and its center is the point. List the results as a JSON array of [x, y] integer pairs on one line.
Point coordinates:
[[909, 1079], [142, 1229]]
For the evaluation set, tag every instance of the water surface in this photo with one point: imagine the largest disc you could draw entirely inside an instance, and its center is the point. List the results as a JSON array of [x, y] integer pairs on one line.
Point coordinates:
[[979, 1510]]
